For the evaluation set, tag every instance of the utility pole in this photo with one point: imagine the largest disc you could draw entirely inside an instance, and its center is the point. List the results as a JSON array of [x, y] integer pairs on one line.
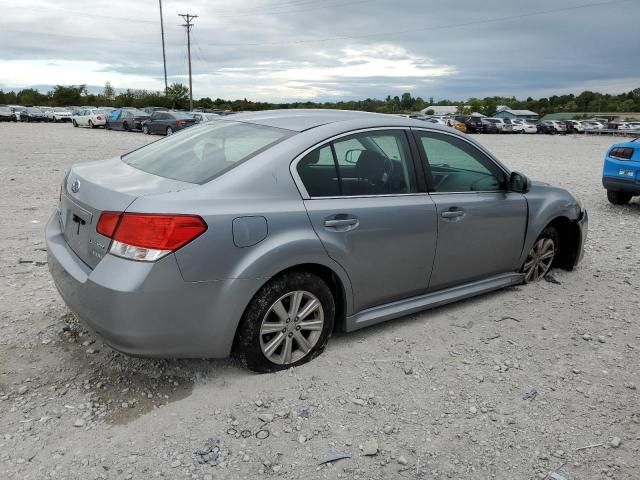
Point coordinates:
[[187, 18], [164, 55]]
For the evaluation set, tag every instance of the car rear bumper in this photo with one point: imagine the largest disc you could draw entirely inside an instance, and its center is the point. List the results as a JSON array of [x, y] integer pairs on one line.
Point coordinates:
[[628, 185], [147, 309]]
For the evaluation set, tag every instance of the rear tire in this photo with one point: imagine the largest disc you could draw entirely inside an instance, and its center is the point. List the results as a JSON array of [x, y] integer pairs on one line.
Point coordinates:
[[262, 346], [91, 125], [618, 198], [126, 127], [542, 255], [169, 131]]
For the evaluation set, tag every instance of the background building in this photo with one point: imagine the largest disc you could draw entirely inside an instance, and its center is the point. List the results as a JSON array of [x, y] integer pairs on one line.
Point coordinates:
[[505, 112]]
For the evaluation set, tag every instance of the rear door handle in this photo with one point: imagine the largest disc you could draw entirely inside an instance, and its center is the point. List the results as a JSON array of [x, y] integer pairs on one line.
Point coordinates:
[[343, 222]]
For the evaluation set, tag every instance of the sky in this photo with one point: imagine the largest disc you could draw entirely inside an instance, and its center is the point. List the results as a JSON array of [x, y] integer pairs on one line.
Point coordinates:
[[327, 50]]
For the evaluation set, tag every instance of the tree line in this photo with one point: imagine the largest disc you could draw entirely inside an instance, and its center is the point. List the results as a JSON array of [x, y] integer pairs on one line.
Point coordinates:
[[177, 96]]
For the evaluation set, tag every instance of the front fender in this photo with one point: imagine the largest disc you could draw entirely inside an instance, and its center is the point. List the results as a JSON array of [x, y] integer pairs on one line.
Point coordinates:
[[547, 203]]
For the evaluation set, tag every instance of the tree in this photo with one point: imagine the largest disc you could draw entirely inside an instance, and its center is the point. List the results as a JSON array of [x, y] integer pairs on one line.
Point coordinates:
[[178, 94], [71, 95], [109, 92], [406, 101], [30, 96], [430, 111]]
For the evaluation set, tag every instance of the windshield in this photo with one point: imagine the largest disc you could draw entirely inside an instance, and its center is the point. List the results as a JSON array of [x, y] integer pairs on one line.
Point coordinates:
[[98, 112], [34, 110], [200, 153]]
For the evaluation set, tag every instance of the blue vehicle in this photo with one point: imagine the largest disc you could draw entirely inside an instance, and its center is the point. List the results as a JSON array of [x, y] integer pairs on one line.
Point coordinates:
[[621, 173]]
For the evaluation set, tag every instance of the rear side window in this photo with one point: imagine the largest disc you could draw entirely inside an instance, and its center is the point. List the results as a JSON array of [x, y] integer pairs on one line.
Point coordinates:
[[200, 153], [364, 164]]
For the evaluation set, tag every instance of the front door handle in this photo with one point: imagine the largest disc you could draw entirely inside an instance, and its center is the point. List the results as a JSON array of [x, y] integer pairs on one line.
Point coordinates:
[[342, 222], [453, 214]]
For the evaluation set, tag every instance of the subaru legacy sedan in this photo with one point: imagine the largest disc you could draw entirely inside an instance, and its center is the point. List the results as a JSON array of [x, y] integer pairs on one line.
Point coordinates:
[[260, 234]]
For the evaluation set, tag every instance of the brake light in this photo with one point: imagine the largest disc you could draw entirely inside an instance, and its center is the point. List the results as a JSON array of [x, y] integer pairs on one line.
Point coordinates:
[[99, 117], [108, 223], [148, 237], [180, 122]]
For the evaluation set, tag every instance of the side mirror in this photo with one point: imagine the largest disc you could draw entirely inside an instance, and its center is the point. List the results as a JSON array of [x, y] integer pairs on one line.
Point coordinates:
[[519, 183]]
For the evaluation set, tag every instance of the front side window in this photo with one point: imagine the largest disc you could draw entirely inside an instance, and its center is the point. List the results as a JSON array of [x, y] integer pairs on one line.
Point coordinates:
[[458, 166], [205, 151], [369, 163]]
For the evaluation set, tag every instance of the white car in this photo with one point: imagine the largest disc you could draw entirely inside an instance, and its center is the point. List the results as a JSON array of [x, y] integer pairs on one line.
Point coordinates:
[[575, 125], [522, 126], [586, 125], [59, 114], [90, 117], [503, 127]]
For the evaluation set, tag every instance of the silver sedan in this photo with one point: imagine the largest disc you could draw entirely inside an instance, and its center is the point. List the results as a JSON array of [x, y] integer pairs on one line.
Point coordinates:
[[261, 233]]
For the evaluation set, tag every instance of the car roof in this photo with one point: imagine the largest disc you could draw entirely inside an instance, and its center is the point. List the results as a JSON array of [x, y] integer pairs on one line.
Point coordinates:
[[300, 120]]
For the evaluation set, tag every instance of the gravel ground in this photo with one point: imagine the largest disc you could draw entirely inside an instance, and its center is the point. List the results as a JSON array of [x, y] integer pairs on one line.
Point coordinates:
[[460, 392]]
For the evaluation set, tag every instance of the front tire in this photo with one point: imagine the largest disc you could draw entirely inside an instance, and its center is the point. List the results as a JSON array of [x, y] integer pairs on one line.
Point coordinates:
[[287, 323], [618, 198], [75, 124], [542, 255], [126, 127], [145, 130]]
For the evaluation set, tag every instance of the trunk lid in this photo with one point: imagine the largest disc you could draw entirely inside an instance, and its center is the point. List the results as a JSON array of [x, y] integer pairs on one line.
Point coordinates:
[[94, 187]]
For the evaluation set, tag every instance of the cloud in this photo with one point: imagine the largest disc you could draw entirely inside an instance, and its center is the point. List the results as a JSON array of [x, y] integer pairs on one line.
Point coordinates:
[[327, 49]]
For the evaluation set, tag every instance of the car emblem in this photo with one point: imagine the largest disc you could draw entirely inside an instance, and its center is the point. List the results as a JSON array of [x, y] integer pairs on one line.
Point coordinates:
[[75, 186]]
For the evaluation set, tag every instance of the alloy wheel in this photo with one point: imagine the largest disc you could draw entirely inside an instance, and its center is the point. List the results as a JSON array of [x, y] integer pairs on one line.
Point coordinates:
[[539, 260], [292, 327]]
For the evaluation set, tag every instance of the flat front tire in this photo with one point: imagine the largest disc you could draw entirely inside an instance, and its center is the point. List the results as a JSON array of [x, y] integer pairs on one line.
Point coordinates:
[[287, 323], [618, 198], [542, 255]]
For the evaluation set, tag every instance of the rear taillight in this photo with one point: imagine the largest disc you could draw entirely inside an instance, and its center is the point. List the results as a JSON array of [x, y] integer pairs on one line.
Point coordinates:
[[99, 117], [108, 223], [180, 122], [148, 237], [621, 153]]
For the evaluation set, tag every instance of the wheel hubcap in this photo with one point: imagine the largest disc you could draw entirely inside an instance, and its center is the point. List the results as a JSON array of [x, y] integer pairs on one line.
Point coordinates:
[[291, 327], [539, 260]]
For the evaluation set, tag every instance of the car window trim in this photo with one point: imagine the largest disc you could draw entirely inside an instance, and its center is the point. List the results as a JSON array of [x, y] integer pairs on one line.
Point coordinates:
[[293, 166], [482, 150]]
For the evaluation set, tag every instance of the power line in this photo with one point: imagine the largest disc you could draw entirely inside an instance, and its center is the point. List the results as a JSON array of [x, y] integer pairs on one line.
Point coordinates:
[[188, 25]]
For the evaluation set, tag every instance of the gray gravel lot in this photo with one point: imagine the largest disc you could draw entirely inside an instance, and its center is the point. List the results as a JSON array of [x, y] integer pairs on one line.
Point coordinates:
[[442, 394]]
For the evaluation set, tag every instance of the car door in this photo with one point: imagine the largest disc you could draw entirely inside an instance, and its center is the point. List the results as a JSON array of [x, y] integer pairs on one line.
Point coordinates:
[[366, 206], [481, 225], [159, 123]]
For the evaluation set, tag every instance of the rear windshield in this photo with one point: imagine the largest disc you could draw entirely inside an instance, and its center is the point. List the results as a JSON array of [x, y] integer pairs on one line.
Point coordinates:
[[200, 153]]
